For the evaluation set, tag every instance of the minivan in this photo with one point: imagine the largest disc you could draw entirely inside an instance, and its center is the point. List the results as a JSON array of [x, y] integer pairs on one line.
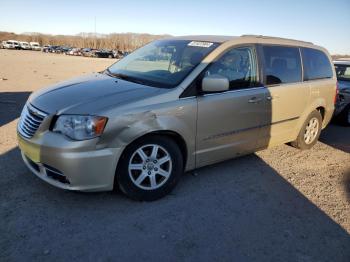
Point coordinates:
[[175, 105]]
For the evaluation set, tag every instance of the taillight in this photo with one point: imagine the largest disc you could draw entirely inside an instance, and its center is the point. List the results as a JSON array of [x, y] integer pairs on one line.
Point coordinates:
[[336, 93]]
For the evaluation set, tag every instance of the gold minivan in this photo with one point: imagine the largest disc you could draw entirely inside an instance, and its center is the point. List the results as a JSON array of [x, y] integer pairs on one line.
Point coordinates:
[[175, 105]]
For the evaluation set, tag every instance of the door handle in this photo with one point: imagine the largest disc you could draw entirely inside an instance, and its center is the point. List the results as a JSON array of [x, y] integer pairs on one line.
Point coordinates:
[[254, 100], [271, 97]]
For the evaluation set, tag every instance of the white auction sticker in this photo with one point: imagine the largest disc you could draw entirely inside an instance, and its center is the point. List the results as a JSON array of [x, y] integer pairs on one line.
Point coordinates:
[[200, 44]]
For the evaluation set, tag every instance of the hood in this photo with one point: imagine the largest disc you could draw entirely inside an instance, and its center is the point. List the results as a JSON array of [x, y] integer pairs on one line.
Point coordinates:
[[93, 93]]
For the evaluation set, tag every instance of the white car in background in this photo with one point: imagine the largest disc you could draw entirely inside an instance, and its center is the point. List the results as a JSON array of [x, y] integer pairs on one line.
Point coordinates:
[[15, 44], [25, 45], [11, 44], [35, 46]]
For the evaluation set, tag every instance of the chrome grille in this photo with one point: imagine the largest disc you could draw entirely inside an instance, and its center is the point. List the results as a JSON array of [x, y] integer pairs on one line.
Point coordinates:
[[31, 118]]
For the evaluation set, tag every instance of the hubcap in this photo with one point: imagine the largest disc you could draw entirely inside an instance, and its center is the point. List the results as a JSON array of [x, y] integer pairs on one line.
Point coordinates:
[[150, 167], [311, 130]]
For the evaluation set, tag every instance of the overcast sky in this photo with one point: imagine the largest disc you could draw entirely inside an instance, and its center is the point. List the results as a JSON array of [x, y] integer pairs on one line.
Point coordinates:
[[324, 22]]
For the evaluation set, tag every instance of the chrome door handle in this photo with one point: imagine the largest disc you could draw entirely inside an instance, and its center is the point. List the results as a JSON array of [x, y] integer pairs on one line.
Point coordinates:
[[271, 97], [254, 100]]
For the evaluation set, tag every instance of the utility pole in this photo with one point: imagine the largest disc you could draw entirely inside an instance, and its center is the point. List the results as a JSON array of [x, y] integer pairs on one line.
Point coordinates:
[[95, 33]]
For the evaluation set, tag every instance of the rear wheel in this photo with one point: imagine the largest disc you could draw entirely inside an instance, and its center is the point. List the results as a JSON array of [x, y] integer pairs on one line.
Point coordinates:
[[150, 168], [310, 131]]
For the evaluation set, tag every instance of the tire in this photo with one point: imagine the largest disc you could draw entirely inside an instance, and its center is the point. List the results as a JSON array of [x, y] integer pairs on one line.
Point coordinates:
[[305, 141], [344, 116], [139, 177]]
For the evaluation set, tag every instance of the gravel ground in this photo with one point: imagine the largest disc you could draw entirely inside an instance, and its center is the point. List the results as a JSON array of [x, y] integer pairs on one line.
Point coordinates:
[[280, 204]]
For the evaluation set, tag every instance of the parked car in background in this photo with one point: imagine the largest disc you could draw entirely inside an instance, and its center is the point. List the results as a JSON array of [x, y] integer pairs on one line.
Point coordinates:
[[56, 49], [12, 44], [88, 52], [74, 51], [46, 48], [35, 46], [50, 48], [85, 51], [103, 53], [140, 124], [8, 45], [118, 54], [61, 49], [342, 110], [25, 45]]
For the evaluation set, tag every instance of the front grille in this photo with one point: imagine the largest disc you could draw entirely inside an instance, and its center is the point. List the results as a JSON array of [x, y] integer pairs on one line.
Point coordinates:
[[31, 118]]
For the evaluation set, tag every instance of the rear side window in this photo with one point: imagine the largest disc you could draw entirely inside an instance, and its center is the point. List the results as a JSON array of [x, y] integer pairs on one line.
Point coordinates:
[[282, 64], [316, 64]]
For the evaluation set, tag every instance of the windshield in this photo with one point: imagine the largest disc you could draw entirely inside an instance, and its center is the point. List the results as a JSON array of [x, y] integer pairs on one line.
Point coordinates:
[[163, 63], [343, 72]]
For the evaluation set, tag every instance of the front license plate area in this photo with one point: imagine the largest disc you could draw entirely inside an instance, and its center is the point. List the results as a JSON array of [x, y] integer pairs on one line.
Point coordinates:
[[30, 150]]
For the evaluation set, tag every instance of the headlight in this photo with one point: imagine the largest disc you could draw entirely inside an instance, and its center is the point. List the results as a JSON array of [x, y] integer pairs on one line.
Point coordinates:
[[80, 127]]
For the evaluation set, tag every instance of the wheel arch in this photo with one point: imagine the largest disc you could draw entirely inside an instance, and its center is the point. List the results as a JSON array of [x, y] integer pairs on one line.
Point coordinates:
[[175, 136], [322, 111]]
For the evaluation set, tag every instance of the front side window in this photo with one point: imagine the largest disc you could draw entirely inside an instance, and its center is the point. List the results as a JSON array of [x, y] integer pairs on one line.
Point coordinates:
[[316, 64], [163, 63], [343, 72], [238, 65], [282, 64]]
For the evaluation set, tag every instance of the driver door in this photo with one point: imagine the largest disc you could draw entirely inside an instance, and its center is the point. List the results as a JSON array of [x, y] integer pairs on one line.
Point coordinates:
[[229, 122]]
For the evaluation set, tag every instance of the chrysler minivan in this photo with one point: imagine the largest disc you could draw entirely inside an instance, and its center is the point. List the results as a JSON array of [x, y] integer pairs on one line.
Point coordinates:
[[175, 105]]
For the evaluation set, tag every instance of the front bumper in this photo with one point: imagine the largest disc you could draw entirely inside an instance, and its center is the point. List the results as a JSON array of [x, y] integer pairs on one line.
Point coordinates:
[[72, 165]]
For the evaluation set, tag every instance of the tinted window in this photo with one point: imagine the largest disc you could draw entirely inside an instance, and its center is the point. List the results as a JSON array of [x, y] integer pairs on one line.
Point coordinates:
[[316, 64], [343, 72], [238, 65], [282, 64]]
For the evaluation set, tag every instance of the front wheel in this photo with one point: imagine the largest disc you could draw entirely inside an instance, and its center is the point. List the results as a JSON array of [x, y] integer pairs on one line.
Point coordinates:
[[149, 168], [310, 131]]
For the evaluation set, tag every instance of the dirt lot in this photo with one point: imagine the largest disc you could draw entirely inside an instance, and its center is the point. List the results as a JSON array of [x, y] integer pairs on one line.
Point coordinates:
[[276, 205]]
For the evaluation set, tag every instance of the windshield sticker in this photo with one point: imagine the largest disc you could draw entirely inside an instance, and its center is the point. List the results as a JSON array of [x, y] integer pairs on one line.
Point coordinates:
[[200, 44]]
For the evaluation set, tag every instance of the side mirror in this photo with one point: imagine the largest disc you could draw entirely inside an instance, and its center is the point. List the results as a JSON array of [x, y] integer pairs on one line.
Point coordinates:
[[215, 83]]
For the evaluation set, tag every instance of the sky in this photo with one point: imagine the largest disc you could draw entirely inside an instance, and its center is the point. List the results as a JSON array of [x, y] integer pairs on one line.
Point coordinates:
[[323, 22]]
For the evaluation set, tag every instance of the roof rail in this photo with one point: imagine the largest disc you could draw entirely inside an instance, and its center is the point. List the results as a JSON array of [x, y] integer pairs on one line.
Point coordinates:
[[272, 37]]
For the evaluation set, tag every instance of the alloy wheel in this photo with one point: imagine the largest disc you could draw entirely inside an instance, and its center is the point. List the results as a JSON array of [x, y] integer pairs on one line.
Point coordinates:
[[311, 130], [150, 166]]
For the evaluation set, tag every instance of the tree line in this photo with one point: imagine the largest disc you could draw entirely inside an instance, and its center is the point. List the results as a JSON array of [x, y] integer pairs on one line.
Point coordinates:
[[117, 41]]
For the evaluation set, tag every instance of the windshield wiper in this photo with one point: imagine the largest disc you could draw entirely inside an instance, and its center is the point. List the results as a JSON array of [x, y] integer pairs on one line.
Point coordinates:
[[125, 77]]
